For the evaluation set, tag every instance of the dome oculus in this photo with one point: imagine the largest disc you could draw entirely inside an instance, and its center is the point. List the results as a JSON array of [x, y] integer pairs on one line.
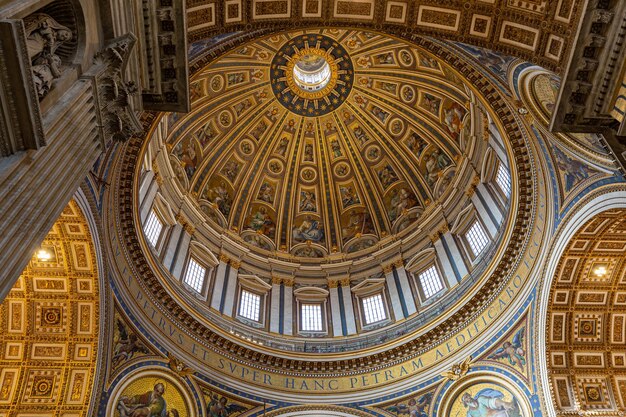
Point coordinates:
[[312, 75], [311, 72]]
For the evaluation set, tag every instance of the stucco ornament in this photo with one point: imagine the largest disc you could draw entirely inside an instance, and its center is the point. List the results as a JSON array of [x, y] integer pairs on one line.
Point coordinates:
[[115, 93], [44, 36], [458, 370]]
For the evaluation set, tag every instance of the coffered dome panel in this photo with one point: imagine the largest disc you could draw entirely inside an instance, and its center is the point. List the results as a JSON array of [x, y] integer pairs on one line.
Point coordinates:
[[586, 318], [337, 169]]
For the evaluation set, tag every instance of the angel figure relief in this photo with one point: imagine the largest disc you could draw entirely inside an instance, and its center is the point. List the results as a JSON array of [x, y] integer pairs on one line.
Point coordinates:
[[44, 36], [513, 350]]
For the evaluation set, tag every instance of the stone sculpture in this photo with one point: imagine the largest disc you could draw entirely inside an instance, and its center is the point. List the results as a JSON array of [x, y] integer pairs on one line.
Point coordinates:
[[44, 36]]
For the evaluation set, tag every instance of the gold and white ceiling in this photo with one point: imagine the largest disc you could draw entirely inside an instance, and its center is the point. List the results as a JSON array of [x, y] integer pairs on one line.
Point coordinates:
[[310, 174]]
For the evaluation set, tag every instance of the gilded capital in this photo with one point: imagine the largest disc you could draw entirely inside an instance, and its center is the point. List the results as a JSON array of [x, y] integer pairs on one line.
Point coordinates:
[[387, 269], [435, 237], [345, 282], [224, 258], [277, 280], [333, 284], [235, 264]]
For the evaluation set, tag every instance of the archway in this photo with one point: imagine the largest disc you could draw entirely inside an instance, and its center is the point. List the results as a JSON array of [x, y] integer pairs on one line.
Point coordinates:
[[49, 331], [586, 318]]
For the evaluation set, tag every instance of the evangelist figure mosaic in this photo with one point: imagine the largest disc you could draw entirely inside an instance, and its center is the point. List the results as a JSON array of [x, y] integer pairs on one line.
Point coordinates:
[[486, 399], [151, 396]]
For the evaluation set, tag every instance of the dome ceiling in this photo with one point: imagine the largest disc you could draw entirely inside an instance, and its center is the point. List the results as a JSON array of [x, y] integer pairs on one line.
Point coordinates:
[[331, 166], [408, 102]]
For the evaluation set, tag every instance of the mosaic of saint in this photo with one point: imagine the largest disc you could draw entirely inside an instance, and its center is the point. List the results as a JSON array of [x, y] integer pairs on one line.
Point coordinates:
[[486, 399], [331, 166], [151, 396], [220, 407]]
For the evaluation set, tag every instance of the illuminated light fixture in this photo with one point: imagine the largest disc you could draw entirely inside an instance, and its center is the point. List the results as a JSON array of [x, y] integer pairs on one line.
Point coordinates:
[[43, 255], [600, 271]]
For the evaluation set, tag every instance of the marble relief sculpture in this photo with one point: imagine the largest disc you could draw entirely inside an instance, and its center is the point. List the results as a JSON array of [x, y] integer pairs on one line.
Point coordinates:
[[44, 36]]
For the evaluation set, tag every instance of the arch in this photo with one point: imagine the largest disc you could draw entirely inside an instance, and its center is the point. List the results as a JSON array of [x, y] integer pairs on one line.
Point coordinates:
[[254, 282], [311, 294], [597, 203], [463, 219], [164, 209], [474, 385], [204, 253], [54, 308], [369, 286], [490, 164], [85, 203], [142, 379], [421, 259]]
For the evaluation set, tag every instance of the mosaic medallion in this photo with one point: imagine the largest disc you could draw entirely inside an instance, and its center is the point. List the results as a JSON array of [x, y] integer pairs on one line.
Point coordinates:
[[312, 75]]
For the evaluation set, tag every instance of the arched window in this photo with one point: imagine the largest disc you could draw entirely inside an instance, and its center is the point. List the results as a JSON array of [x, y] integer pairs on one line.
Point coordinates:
[[201, 263], [471, 233], [372, 303], [311, 320], [496, 177], [252, 298], [427, 273], [430, 282], [250, 305], [374, 309], [503, 179], [157, 224], [195, 276], [476, 238], [312, 315], [153, 228]]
